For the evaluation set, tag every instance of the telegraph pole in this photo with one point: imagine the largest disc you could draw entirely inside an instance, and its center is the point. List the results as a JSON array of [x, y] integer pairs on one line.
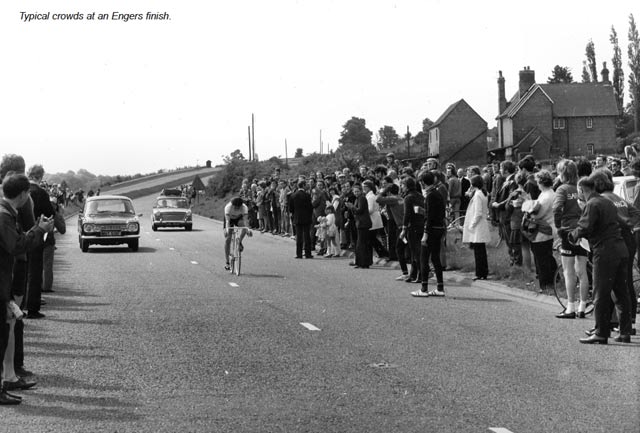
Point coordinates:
[[408, 137], [286, 157], [321, 142], [253, 139], [249, 132]]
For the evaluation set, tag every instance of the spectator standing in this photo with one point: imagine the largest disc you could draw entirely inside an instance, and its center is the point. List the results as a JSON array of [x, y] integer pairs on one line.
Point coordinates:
[[360, 209], [501, 199], [377, 226], [433, 230], [465, 184], [455, 190], [331, 233], [389, 197], [476, 228], [50, 247], [301, 215], [599, 224], [413, 226], [566, 214], [16, 191], [542, 241], [41, 207], [513, 212]]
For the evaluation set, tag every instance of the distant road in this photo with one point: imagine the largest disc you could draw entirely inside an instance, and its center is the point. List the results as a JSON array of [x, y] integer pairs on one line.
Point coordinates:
[[204, 174]]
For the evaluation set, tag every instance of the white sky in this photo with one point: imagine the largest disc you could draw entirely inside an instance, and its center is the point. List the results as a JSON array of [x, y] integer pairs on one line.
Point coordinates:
[[132, 97]]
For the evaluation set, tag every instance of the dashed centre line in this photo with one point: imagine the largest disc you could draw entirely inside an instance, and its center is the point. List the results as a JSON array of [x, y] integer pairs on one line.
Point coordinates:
[[171, 249], [193, 262], [309, 326], [234, 285], [500, 430]]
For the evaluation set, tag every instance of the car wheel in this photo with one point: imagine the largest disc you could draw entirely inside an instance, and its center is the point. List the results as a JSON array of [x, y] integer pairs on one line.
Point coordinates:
[[154, 227], [188, 227], [84, 245], [134, 245]]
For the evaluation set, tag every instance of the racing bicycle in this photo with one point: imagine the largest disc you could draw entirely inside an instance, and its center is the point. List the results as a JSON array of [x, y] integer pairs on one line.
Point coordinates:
[[235, 250]]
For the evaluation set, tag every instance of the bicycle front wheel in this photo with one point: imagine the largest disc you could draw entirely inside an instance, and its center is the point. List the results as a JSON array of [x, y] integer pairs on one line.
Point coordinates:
[[238, 257]]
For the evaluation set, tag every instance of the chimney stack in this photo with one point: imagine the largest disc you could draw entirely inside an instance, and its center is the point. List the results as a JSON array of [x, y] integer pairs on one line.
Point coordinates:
[[527, 79], [502, 99], [605, 73]]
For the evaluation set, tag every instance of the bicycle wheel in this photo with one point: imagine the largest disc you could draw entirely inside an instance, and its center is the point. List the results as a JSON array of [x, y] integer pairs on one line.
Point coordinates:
[[560, 288], [232, 254], [454, 230], [238, 257]]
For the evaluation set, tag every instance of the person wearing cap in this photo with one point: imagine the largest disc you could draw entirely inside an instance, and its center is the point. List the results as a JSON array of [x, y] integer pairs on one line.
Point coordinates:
[[431, 164], [392, 163]]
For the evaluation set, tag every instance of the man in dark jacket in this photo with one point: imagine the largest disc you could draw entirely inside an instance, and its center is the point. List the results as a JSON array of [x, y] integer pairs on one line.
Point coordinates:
[[301, 216], [364, 253], [413, 225], [41, 207]]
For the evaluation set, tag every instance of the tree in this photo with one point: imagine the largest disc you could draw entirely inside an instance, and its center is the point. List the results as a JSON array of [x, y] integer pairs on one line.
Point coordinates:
[[236, 155], [298, 153], [591, 60], [618, 74], [560, 74], [388, 137], [586, 78], [426, 124], [355, 132], [633, 53]]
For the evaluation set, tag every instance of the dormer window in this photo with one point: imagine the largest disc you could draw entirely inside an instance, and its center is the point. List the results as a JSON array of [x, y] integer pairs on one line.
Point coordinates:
[[558, 123], [589, 122]]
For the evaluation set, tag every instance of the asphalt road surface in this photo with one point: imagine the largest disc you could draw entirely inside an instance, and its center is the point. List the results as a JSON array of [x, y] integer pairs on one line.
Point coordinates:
[[165, 340]]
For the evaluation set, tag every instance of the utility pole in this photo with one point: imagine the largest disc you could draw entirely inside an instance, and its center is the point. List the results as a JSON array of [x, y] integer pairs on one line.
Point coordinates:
[[286, 157], [253, 139], [321, 142], [408, 137], [249, 132]]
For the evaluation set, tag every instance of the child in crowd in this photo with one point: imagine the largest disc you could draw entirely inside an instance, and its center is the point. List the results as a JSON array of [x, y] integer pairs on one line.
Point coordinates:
[[331, 233], [321, 232]]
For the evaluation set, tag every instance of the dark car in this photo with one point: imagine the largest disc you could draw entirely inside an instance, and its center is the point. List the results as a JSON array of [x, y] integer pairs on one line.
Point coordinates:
[[173, 192], [171, 211], [108, 220]]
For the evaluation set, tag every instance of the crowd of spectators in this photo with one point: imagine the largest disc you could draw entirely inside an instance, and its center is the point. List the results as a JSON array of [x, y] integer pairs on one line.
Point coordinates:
[[402, 214], [29, 214]]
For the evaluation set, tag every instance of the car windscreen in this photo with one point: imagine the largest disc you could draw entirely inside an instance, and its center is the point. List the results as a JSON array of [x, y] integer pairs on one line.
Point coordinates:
[[175, 203], [109, 206]]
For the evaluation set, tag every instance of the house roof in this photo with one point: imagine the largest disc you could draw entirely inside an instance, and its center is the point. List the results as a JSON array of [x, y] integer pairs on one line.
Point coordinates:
[[450, 109], [570, 100], [582, 99]]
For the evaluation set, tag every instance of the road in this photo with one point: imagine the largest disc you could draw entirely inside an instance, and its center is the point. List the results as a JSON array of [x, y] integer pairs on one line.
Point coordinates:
[[165, 340]]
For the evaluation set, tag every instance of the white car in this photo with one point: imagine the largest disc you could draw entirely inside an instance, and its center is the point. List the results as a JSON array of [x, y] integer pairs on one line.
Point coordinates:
[[623, 187]]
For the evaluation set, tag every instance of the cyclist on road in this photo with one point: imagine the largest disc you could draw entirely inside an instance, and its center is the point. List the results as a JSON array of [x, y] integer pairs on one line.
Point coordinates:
[[236, 214]]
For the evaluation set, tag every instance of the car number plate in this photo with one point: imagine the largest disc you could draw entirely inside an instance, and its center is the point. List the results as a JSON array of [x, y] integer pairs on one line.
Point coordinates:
[[110, 233]]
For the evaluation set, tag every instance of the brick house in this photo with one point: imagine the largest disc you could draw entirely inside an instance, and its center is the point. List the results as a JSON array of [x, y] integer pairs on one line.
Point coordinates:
[[459, 136], [554, 120]]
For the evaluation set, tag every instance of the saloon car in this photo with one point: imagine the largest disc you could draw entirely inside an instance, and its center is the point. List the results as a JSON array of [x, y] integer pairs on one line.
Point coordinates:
[[170, 211], [108, 220]]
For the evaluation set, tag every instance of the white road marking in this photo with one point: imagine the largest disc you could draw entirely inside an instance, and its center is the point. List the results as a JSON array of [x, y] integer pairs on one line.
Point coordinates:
[[158, 239], [500, 430], [194, 262], [309, 326], [171, 249], [233, 285]]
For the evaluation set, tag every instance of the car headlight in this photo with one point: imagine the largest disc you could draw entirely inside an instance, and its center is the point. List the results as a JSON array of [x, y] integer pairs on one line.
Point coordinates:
[[89, 228], [132, 227]]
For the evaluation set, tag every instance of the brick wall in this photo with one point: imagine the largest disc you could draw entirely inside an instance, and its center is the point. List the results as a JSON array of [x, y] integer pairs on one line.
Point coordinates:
[[461, 126], [602, 135], [537, 112]]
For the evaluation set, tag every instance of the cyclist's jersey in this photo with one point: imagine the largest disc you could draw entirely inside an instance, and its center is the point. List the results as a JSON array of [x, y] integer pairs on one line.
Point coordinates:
[[235, 215]]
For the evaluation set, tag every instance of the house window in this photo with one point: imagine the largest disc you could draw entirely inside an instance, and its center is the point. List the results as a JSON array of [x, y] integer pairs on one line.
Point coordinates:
[[590, 149], [589, 122], [558, 124]]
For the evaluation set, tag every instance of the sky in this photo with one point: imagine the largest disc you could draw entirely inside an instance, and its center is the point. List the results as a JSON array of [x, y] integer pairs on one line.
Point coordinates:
[[126, 97]]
